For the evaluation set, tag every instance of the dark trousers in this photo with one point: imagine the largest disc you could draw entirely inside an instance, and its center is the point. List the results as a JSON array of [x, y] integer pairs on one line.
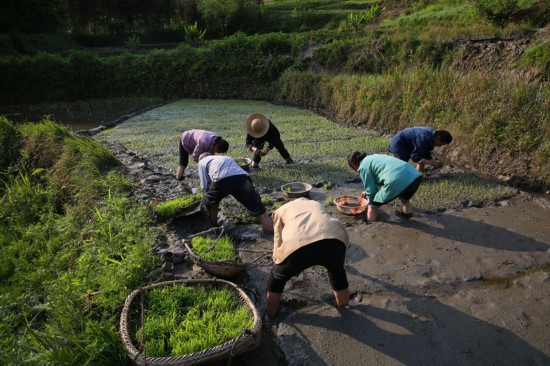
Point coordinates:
[[329, 253]]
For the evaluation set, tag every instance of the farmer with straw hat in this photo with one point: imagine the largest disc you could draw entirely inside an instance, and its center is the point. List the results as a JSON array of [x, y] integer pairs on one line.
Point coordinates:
[[259, 131]]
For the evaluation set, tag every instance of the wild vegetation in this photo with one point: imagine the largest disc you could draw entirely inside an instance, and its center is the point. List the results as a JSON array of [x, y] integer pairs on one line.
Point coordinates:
[[67, 229]]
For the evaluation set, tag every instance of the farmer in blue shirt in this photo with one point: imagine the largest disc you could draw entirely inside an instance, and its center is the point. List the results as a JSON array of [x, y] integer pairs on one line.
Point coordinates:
[[385, 178], [417, 143]]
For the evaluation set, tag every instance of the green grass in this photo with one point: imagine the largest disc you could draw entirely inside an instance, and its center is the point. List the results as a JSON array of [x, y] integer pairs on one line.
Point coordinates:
[[318, 146], [183, 319], [67, 229]]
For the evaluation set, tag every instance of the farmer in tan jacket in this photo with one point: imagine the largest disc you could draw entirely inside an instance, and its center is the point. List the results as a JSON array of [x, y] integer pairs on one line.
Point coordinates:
[[305, 235]]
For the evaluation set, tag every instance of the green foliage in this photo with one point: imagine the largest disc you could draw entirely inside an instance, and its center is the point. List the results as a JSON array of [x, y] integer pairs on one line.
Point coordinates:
[[219, 69], [357, 21], [214, 250], [134, 42], [9, 144], [181, 319], [538, 56], [174, 206], [58, 298], [498, 11], [456, 190], [193, 35]]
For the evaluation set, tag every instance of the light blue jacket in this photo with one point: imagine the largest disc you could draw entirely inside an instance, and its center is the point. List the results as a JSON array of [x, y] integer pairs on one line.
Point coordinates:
[[385, 177], [214, 168]]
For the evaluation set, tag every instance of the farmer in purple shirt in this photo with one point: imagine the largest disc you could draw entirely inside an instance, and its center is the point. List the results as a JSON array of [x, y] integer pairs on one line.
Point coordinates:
[[196, 142], [417, 143]]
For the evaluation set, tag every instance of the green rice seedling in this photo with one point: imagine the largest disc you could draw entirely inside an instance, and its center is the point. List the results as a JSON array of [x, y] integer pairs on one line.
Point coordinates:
[[327, 186], [329, 201], [267, 201], [174, 206], [221, 249], [182, 319], [320, 156]]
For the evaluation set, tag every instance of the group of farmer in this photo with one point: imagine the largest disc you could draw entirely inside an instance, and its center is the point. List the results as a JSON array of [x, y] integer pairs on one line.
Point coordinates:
[[304, 233]]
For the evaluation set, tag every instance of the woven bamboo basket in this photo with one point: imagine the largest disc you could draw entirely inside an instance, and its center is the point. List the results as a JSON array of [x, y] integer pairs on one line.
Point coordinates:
[[244, 342], [221, 268]]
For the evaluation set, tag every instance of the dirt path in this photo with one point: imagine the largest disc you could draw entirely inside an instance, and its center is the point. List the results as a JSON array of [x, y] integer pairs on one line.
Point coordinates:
[[461, 287]]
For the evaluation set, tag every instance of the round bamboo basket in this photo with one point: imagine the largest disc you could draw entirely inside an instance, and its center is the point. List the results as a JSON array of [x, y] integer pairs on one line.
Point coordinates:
[[244, 342], [221, 268]]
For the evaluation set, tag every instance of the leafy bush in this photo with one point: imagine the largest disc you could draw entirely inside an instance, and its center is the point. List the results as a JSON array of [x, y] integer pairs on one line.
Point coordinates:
[[9, 144], [498, 11]]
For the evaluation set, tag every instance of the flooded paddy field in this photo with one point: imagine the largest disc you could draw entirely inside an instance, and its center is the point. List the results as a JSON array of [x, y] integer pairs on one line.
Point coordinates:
[[465, 281]]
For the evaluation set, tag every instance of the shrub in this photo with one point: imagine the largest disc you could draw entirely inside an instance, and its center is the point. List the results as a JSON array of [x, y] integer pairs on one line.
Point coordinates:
[[498, 11], [9, 143]]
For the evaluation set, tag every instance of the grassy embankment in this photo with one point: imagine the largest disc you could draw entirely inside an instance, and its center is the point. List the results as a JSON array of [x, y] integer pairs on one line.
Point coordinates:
[[73, 247]]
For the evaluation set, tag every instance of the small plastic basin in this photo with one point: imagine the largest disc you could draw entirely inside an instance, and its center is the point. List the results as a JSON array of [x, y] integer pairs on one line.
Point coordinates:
[[351, 205]]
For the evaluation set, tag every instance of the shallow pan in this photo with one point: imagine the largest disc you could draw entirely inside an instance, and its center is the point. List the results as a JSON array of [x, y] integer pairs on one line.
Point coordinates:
[[296, 189], [244, 163]]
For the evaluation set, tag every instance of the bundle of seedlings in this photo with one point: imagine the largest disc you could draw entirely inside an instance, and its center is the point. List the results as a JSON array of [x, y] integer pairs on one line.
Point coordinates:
[[188, 322], [179, 206], [214, 252]]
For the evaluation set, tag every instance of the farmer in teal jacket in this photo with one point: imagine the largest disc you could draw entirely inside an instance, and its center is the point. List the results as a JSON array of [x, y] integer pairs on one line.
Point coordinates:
[[385, 178]]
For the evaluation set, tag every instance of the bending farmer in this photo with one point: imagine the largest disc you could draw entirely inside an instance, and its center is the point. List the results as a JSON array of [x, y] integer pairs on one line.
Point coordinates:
[[220, 176], [385, 178], [305, 235], [417, 143], [196, 142], [259, 131]]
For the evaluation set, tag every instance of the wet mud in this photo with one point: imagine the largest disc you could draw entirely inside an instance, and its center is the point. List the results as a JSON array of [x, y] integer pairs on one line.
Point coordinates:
[[463, 285]]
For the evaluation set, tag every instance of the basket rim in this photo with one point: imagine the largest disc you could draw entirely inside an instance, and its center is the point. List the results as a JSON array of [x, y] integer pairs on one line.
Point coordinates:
[[237, 345]]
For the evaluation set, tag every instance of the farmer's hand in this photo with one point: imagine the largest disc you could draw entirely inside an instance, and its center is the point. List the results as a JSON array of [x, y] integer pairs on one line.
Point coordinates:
[[265, 152], [363, 194], [255, 150], [436, 164]]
